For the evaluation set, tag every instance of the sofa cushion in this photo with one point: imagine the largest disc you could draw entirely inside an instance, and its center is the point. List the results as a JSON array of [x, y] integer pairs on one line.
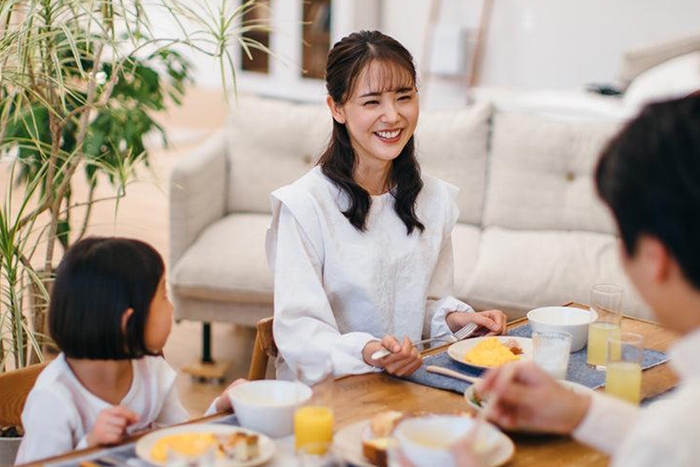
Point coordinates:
[[271, 144], [540, 174], [521, 270], [453, 146], [465, 247], [227, 262]]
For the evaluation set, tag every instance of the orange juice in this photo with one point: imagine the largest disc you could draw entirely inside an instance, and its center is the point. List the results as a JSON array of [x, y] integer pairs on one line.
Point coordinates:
[[598, 334], [624, 380], [313, 424]]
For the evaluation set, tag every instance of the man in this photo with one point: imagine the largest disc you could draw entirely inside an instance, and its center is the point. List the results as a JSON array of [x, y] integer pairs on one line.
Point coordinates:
[[649, 176]]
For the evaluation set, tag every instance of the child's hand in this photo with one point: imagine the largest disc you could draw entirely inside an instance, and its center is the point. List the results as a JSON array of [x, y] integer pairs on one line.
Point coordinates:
[[111, 425], [223, 403]]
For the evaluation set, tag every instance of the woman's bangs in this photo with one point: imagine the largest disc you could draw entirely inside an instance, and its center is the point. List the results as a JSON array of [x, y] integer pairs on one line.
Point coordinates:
[[386, 76]]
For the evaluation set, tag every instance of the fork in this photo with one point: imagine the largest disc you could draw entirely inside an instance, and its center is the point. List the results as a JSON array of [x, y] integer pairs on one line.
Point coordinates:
[[460, 334]]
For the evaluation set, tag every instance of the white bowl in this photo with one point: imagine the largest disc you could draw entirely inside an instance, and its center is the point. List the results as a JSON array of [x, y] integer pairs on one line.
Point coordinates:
[[426, 441], [562, 318], [268, 405]]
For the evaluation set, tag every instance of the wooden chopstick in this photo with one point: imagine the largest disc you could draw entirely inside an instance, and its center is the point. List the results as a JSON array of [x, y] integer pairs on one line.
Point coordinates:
[[452, 374]]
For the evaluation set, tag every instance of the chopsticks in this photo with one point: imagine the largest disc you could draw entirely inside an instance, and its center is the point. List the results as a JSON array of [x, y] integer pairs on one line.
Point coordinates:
[[452, 374]]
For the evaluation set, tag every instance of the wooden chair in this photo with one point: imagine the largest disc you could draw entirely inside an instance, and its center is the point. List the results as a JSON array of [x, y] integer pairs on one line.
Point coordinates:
[[14, 389], [263, 349]]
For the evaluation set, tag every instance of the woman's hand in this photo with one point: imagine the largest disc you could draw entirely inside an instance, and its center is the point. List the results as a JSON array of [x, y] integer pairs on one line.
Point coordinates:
[[528, 398], [403, 360], [493, 321], [110, 426], [223, 403]]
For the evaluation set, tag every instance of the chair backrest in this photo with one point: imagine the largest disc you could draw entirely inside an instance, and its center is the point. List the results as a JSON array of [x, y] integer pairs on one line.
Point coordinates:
[[263, 349], [14, 389]]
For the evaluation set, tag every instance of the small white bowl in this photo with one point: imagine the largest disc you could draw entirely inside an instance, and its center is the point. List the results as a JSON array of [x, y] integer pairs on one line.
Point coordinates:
[[268, 405], [426, 441], [562, 318]]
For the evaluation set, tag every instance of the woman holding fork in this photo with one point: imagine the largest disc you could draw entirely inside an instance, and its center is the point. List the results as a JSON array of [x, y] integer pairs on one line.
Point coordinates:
[[361, 245]]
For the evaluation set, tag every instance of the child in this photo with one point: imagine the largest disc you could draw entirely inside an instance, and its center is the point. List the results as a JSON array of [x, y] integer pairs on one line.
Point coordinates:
[[110, 315]]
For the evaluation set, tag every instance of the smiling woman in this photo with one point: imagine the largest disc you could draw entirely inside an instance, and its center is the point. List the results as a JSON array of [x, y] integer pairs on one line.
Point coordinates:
[[361, 245]]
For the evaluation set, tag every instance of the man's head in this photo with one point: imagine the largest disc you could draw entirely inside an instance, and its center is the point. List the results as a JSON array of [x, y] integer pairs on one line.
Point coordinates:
[[649, 176]]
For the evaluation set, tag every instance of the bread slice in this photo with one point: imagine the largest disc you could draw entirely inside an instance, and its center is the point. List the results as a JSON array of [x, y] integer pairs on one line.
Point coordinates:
[[376, 449], [378, 440]]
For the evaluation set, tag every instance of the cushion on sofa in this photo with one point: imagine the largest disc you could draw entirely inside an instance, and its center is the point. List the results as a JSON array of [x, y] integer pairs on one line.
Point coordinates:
[[465, 248], [227, 262], [540, 174], [521, 270], [453, 146], [271, 144], [672, 79]]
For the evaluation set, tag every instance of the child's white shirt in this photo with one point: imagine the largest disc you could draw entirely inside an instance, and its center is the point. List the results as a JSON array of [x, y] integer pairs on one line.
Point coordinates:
[[60, 411]]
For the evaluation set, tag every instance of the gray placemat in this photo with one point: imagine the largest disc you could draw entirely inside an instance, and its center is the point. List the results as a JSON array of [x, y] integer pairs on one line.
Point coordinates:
[[125, 453], [578, 371]]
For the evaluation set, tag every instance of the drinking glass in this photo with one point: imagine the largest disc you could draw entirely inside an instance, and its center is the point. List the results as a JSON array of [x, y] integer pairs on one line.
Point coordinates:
[[550, 350], [313, 420], [623, 369], [606, 316]]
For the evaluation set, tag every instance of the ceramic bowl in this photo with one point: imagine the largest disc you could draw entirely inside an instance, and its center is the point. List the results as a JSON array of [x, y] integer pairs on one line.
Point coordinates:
[[562, 319]]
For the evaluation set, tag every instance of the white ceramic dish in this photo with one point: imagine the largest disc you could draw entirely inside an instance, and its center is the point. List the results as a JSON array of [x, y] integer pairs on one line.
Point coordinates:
[[425, 440], [347, 443], [268, 405], [469, 393], [266, 446], [457, 350], [562, 319]]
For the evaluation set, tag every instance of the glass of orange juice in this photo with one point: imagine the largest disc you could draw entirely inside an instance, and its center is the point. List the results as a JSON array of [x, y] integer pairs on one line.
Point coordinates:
[[623, 369], [313, 420], [606, 317]]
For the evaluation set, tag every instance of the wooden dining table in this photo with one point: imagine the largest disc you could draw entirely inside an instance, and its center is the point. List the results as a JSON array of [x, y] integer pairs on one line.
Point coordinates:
[[360, 397]]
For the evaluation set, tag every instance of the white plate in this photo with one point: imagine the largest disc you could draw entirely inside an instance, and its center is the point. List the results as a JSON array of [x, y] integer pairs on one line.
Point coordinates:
[[348, 445], [266, 445], [576, 387], [457, 350]]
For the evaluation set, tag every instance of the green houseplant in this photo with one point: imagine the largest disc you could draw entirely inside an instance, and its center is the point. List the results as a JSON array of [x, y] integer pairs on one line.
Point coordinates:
[[79, 83]]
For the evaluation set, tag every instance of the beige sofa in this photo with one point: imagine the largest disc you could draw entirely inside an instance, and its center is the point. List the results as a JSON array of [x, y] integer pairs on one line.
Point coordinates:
[[530, 232]]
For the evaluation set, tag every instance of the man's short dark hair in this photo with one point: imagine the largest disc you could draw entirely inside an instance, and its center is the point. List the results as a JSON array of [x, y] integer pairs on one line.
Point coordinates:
[[649, 175], [96, 282]]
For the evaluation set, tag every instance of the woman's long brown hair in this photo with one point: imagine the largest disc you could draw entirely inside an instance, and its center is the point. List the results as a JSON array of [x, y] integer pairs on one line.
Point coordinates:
[[346, 61]]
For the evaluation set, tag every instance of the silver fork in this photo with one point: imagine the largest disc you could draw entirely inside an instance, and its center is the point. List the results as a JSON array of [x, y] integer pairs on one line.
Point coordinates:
[[462, 333]]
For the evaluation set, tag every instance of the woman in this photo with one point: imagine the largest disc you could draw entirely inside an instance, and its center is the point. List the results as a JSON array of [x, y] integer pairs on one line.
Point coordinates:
[[361, 245]]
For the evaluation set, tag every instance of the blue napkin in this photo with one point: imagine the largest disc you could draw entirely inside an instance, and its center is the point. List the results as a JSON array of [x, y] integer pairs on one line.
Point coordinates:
[[578, 371]]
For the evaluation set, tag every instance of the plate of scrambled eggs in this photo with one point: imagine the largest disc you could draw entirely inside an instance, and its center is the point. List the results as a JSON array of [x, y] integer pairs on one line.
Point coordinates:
[[230, 446], [488, 352]]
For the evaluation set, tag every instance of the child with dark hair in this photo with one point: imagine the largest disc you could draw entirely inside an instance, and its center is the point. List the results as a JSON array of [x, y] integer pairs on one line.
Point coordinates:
[[361, 245], [110, 315]]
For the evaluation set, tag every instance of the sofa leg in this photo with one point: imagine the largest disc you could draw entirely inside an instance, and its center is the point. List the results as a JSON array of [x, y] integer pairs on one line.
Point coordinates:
[[206, 343], [206, 369]]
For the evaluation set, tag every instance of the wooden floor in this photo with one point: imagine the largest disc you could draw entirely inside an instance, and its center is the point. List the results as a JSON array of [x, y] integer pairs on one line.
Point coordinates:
[[143, 214]]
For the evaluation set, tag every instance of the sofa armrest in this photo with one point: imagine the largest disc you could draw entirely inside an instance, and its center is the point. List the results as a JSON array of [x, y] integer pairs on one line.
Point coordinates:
[[197, 192]]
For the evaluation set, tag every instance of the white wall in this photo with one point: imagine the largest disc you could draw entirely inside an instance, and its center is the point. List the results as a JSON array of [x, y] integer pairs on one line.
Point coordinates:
[[551, 43]]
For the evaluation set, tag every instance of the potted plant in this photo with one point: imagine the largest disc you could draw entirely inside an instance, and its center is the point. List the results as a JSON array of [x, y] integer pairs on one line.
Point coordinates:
[[79, 83]]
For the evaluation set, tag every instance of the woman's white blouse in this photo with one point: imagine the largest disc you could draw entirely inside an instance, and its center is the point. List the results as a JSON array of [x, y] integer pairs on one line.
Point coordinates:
[[337, 288]]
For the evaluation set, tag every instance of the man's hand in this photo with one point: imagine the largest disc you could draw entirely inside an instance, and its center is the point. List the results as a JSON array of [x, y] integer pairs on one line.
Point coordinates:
[[528, 398]]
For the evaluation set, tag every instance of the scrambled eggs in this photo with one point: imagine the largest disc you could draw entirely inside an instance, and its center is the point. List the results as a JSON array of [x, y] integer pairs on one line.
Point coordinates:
[[490, 352], [187, 444]]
